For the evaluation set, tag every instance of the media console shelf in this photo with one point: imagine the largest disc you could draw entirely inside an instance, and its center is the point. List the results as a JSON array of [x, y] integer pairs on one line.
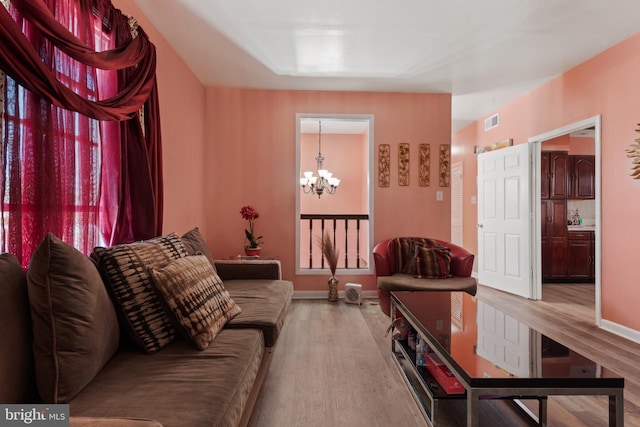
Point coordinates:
[[426, 390], [477, 343]]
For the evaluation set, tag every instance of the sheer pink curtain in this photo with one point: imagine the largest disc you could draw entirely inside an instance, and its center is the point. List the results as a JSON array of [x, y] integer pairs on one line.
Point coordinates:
[[89, 181]]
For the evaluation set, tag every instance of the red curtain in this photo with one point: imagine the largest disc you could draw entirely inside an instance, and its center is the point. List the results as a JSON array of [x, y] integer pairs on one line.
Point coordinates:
[[77, 159]]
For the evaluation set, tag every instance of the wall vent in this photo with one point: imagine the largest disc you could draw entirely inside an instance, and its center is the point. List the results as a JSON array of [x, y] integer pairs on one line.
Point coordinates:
[[492, 122]]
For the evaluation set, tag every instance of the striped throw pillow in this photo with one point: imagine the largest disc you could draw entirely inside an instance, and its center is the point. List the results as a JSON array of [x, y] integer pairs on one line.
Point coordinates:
[[405, 250], [432, 263], [196, 296], [124, 269]]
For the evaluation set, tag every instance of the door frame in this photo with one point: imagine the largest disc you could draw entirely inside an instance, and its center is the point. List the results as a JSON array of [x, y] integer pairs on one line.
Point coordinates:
[[536, 252]]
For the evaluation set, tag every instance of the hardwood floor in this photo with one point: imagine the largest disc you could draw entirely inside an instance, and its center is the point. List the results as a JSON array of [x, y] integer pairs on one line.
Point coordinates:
[[332, 365], [566, 314]]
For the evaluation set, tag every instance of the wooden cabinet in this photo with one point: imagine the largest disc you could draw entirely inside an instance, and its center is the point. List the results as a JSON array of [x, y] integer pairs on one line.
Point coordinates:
[[554, 172], [554, 167], [581, 256], [566, 256], [544, 176], [567, 177], [554, 239], [581, 177]]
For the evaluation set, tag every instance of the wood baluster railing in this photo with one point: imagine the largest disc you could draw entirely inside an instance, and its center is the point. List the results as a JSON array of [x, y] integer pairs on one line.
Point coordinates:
[[333, 230], [310, 243]]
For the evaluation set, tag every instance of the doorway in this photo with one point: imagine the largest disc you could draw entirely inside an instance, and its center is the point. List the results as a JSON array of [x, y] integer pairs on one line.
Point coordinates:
[[593, 125], [344, 143]]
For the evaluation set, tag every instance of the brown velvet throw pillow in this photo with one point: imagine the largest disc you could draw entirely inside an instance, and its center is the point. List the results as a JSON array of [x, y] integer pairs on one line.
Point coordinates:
[[196, 296], [195, 245], [124, 269], [432, 263], [75, 326], [17, 380]]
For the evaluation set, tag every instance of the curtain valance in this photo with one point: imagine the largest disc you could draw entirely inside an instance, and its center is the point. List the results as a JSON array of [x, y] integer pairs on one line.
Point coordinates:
[[20, 60]]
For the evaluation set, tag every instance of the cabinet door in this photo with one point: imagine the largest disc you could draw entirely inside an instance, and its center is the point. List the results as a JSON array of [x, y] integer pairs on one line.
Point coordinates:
[[557, 258], [558, 169], [553, 218], [579, 259], [554, 239], [557, 219], [545, 176], [582, 177]]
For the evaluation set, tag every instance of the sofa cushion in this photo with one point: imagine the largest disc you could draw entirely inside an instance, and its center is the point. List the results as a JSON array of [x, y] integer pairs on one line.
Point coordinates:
[[125, 269], [432, 263], [249, 269], [17, 380], [74, 323], [196, 296], [195, 245], [406, 282], [265, 304], [178, 386]]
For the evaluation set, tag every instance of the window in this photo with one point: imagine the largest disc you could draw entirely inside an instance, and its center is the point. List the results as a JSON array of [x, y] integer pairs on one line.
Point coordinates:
[[52, 157]]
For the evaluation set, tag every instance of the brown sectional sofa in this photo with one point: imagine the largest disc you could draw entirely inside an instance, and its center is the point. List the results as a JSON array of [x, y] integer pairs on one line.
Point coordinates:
[[390, 277], [177, 385]]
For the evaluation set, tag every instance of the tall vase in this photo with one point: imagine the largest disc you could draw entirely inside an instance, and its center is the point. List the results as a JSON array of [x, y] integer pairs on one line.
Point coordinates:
[[333, 289]]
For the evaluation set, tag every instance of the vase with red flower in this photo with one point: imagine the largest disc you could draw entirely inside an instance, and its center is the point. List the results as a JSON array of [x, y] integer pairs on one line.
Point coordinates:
[[252, 246]]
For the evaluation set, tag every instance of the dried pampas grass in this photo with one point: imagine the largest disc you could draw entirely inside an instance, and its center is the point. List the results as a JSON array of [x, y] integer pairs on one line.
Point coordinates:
[[329, 252]]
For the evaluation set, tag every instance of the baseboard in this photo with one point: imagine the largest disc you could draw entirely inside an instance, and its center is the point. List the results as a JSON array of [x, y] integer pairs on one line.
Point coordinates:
[[623, 331], [323, 294]]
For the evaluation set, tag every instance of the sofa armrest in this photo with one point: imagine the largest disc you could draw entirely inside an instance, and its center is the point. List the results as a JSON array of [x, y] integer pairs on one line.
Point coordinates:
[[381, 259], [235, 269], [461, 261]]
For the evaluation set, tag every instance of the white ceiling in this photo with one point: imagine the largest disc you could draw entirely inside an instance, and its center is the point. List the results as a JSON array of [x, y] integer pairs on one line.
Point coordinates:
[[486, 53]]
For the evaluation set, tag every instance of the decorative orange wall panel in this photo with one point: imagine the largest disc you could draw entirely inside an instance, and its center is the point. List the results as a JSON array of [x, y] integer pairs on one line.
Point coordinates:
[[424, 165], [384, 165]]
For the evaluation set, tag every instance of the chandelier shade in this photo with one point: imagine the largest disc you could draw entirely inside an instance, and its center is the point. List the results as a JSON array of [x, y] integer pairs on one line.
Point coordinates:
[[323, 181]]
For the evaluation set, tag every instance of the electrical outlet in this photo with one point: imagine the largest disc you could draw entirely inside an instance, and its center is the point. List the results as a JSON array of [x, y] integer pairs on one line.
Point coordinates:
[[439, 196]]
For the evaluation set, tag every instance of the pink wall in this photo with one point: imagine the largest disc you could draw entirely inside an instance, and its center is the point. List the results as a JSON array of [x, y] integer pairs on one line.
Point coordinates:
[[604, 85], [182, 112], [251, 159], [345, 157], [572, 144], [581, 145]]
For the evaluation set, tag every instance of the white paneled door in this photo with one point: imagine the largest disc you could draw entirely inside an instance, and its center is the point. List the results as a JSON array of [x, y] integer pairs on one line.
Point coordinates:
[[504, 225]]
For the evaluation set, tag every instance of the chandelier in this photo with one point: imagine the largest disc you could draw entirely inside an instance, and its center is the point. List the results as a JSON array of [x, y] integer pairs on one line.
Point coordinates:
[[324, 181]]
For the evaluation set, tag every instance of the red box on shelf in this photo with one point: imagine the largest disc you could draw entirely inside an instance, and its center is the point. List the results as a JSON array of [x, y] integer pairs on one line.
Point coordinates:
[[442, 374]]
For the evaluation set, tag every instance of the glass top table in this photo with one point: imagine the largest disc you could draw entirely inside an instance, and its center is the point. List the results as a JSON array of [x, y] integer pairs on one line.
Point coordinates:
[[497, 356]]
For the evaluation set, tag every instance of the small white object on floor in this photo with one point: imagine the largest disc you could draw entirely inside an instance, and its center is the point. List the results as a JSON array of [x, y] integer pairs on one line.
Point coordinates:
[[353, 293]]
